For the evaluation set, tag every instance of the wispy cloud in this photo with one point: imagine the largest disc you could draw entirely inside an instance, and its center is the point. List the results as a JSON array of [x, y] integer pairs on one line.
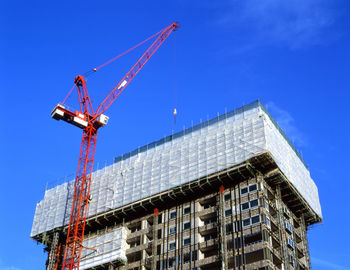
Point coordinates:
[[287, 124], [6, 267], [327, 264], [294, 23], [9, 268]]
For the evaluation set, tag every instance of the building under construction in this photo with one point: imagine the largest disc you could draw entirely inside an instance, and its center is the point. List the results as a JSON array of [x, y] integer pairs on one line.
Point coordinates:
[[229, 193]]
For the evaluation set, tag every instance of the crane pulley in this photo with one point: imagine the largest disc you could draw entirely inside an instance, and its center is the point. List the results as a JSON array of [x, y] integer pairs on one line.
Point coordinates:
[[90, 120]]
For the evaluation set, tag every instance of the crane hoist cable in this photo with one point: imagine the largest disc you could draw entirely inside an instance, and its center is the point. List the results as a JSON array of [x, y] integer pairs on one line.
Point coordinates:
[[86, 74]]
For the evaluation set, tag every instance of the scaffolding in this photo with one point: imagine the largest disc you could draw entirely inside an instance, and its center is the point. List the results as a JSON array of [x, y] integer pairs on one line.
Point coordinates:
[[210, 147]]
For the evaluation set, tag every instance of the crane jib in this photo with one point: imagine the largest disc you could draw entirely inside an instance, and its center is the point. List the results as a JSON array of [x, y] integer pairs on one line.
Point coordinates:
[[90, 121]]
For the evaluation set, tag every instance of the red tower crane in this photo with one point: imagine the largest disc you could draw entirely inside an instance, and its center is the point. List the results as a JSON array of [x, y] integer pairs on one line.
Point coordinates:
[[90, 120]]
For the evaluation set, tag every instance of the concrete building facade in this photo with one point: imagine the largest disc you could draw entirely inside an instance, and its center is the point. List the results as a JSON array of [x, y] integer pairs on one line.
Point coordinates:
[[230, 193]]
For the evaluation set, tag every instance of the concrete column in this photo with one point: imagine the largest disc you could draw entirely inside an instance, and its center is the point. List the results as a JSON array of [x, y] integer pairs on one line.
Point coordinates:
[[143, 241], [155, 238], [52, 258], [305, 242], [283, 235], [222, 230]]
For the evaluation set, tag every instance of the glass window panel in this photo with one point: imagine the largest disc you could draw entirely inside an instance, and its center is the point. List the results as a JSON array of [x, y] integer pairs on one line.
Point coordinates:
[[255, 219], [246, 222], [254, 203], [252, 188]]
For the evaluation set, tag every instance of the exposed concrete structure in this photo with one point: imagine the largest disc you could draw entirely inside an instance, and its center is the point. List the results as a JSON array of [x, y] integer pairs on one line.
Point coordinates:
[[248, 213]]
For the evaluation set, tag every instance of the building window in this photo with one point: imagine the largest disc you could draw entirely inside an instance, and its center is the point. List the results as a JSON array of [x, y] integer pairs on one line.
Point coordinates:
[[290, 243], [292, 260], [267, 206], [172, 245], [227, 197], [173, 214], [187, 241], [134, 229], [208, 221], [252, 188], [245, 206], [206, 206], [208, 237], [171, 262], [246, 222], [187, 225], [255, 219], [289, 227], [228, 212], [286, 212], [187, 257], [254, 203], [134, 244], [187, 210], [172, 230], [267, 221], [251, 204], [244, 190]]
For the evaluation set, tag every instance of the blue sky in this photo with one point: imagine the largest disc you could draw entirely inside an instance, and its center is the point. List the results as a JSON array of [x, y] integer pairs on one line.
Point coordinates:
[[292, 55]]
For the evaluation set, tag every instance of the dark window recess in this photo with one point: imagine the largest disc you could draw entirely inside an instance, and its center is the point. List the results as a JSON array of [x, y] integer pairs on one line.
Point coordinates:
[[187, 225], [245, 206], [228, 212], [255, 219], [254, 256], [208, 237], [187, 257], [229, 228], [172, 215], [187, 210], [246, 222], [227, 197], [244, 190], [172, 246], [252, 238], [252, 188], [208, 221], [133, 244], [172, 230], [237, 245], [187, 241], [254, 203], [171, 262]]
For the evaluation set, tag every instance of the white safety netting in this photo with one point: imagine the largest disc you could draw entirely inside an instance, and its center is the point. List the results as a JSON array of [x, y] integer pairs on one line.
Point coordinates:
[[215, 145], [104, 248]]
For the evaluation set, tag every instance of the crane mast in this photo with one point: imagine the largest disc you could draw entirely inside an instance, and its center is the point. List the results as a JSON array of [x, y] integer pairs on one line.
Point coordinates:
[[90, 121]]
